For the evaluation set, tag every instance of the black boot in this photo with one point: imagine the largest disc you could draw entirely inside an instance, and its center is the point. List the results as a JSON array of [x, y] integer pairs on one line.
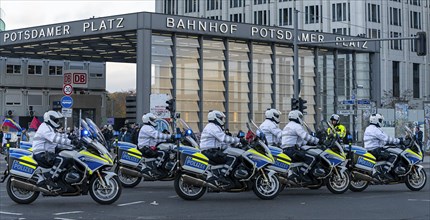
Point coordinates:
[[48, 183]]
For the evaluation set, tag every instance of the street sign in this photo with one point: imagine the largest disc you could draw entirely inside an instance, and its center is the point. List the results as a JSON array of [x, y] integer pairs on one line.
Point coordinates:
[[345, 112], [364, 107], [363, 102], [66, 102], [67, 112], [348, 102], [158, 105], [67, 89]]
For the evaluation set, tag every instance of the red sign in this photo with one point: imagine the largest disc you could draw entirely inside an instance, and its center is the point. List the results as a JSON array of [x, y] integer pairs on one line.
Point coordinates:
[[67, 89], [79, 78], [67, 78]]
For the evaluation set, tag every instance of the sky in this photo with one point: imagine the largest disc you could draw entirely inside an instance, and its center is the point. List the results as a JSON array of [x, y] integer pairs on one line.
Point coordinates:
[[24, 14]]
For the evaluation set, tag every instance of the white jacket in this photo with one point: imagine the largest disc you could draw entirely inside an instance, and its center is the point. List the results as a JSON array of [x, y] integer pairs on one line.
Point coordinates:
[[294, 133], [374, 137], [149, 136], [272, 132], [214, 137], [46, 139]]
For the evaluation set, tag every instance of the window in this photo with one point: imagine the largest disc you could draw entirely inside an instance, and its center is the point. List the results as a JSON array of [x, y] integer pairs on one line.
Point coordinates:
[[34, 100], [13, 99], [416, 79], [415, 2], [312, 14], [415, 19], [340, 12], [373, 33], [170, 7], [236, 3], [213, 5], [396, 44], [261, 17], [55, 70], [374, 13], [96, 75], [413, 45], [34, 70], [343, 31], [395, 0], [395, 16], [286, 0], [13, 69], [236, 18], [285, 16], [259, 2], [215, 17], [396, 79], [191, 6]]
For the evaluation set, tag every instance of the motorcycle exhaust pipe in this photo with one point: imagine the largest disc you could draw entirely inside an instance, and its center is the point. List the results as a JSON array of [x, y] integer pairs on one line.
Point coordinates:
[[130, 172], [283, 180], [361, 176], [197, 182], [28, 186]]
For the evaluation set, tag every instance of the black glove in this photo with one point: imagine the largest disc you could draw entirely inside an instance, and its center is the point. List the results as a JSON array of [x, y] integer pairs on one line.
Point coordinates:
[[76, 142], [401, 141], [320, 141], [172, 138], [243, 141]]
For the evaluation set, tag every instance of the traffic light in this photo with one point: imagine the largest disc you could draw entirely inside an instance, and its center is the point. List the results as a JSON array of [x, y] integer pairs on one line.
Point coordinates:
[[294, 104], [302, 105], [171, 106], [30, 111], [421, 43]]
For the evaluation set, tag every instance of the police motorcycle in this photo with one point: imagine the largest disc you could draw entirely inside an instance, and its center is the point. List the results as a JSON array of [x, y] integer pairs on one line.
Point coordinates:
[[87, 172], [132, 166], [252, 173], [330, 158], [365, 170]]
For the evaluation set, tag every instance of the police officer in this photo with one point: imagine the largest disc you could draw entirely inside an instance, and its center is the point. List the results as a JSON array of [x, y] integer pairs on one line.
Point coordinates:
[[149, 137], [45, 141], [214, 140], [339, 128], [293, 137], [270, 127], [374, 141]]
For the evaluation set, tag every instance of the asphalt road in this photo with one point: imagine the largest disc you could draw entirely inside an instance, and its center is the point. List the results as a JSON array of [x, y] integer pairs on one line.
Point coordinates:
[[158, 200]]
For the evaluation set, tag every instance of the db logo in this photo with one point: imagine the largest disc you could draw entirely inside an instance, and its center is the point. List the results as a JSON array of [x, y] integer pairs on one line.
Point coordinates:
[[79, 78]]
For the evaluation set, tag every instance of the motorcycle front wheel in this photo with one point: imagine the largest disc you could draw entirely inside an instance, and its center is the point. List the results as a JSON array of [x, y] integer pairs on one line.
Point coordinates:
[[107, 194], [188, 191], [338, 184], [415, 181], [20, 196], [266, 189]]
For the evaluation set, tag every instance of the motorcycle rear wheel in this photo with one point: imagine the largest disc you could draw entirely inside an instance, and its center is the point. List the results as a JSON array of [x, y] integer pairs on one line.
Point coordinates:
[[128, 181], [20, 196], [416, 182], [105, 195], [336, 184], [187, 191], [358, 186], [264, 189]]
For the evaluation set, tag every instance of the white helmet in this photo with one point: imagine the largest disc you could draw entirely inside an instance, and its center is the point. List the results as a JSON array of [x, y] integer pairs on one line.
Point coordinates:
[[274, 115], [53, 118], [296, 116], [149, 119], [216, 117], [376, 119], [334, 117]]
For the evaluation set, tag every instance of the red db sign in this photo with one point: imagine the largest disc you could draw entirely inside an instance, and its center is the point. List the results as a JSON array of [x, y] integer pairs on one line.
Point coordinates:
[[79, 78]]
